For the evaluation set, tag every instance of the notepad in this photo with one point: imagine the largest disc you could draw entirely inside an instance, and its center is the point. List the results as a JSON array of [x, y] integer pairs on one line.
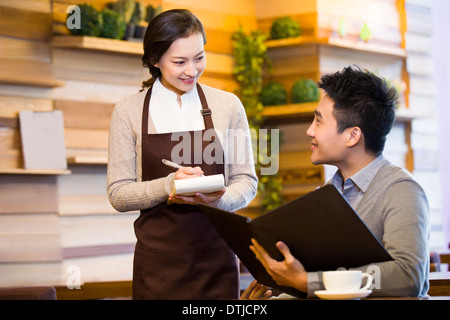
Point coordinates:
[[204, 184]]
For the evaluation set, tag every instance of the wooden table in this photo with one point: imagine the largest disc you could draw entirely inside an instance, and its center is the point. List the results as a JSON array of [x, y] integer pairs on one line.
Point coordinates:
[[409, 298], [96, 290], [444, 256], [439, 284], [439, 289]]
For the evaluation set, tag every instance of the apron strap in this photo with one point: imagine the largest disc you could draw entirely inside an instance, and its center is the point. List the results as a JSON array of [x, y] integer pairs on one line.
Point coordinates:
[[145, 111], [206, 111]]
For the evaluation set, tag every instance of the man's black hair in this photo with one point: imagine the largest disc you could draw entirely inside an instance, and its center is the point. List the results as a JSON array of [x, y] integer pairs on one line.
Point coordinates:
[[362, 99]]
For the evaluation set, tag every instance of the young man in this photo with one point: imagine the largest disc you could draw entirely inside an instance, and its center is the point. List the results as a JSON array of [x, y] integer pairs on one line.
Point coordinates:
[[351, 122]]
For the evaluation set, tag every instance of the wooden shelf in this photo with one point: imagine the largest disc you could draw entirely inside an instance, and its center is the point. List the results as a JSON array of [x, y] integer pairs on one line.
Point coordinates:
[[290, 113], [33, 82], [36, 171], [28, 73], [405, 115], [289, 110], [356, 45], [88, 160], [98, 44]]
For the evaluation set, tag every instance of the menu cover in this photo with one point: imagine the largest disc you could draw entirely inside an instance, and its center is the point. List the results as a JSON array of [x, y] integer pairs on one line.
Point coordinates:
[[321, 230]]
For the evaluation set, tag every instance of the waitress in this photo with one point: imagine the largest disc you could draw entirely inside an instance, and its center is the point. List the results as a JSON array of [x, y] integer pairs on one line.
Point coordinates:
[[179, 255]]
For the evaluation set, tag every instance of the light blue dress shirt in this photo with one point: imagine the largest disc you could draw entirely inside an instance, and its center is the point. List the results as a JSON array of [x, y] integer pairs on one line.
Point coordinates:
[[354, 188]]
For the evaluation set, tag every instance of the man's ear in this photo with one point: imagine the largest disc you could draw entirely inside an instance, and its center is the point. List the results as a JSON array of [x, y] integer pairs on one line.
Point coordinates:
[[354, 136]]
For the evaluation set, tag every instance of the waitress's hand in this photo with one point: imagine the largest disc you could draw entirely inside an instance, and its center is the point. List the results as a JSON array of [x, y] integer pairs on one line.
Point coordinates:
[[203, 198], [198, 198], [188, 173]]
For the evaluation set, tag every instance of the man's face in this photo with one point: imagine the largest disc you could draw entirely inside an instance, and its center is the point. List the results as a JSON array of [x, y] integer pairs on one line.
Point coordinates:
[[327, 146]]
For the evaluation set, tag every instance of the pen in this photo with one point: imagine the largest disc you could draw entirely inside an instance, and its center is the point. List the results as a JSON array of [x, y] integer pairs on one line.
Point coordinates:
[[173, 164]]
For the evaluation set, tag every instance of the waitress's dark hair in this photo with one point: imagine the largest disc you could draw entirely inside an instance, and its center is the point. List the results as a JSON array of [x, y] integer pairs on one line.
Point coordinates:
[[162, 31]]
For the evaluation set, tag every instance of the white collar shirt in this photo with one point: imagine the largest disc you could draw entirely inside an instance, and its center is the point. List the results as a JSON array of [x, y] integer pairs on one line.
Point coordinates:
[[167, 115]]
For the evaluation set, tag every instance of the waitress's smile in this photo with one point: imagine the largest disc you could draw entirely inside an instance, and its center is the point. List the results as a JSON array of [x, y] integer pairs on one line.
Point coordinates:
[[183, 64], [188, 80]]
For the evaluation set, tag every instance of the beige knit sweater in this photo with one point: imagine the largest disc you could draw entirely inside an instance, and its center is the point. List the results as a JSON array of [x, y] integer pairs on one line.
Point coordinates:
[[125, 188]]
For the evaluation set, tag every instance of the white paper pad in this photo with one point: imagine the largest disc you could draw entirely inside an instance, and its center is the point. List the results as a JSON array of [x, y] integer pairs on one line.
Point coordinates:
[[205, 184]]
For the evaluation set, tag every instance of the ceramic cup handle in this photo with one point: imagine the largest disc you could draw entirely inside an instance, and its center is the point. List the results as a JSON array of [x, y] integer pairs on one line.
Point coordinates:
[[369, 280]]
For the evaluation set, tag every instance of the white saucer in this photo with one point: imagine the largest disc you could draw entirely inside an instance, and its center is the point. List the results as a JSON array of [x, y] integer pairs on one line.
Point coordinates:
[[324, 294]]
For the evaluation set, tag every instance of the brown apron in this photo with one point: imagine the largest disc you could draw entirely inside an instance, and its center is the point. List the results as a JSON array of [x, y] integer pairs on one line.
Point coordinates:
[[179, 254]]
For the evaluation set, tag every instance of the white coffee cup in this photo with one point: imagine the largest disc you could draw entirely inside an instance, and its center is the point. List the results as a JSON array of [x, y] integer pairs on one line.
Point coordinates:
[[346, 280]]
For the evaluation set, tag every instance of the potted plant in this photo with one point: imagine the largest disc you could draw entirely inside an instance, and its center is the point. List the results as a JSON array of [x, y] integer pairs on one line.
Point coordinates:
[[138, 19], [250, 58], [273, 93], [113, 24], [126, 9], [365, 34], [304, 90], [285, 27], [152, 12], [91, 22]]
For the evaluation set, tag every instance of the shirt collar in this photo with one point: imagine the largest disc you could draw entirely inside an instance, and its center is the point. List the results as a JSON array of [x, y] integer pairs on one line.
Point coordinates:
[[169, 94], [362, 178]]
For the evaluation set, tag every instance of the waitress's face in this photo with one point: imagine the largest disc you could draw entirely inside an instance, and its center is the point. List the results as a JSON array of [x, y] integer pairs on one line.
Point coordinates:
[[182, 64]]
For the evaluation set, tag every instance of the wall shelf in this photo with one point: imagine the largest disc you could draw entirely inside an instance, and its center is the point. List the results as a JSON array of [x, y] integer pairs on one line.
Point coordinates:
[[289, 110], [406, 115], [100, 160], [33, 82], [98, 44], [28, 73], [36, 171], [291, 113], [336, 42]]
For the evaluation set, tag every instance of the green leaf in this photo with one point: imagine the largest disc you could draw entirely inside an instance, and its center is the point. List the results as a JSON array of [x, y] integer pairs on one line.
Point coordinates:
[[365, 34], [249, 51]]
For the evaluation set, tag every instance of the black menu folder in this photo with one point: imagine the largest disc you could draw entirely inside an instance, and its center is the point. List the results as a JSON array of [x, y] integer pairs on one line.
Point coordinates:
[[321, 230]]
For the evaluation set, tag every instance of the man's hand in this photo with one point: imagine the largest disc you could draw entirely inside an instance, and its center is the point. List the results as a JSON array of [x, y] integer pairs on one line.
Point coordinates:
[[256, 291], [289, 272], [203, 198]]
